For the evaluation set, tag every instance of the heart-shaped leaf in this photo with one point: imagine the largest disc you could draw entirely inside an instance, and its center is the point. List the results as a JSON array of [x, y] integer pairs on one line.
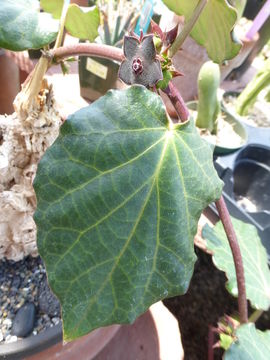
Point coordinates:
[[53, 7], [119, 196], [82, 23], [251, 344], [257, 274], [213, 28], [22, 26]]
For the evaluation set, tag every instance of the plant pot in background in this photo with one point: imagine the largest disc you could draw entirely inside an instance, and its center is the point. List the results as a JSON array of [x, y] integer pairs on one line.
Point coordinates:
[[9, 82], [258, 115], [243, 56], [153, 336], [48, 345], [237, 126], [97, 76]]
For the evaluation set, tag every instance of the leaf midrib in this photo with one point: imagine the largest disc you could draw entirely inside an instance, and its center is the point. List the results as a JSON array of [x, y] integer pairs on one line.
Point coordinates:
[[94, 298]]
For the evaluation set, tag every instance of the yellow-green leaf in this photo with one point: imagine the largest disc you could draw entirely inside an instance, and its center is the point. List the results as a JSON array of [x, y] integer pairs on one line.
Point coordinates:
[[53, 7], [213, 30], [82, 22]]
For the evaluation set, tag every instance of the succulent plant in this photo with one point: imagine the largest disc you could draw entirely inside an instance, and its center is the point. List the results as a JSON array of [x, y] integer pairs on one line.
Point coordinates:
[[208, 104]]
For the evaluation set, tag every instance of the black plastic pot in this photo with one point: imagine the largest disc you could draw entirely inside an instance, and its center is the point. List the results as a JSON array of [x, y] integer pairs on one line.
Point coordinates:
[[251, 175], [97, 76], [21, 349], [246, 176]]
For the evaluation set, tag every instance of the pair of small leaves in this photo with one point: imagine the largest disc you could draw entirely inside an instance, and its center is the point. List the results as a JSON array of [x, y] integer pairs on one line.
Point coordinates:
[[213, 28], [23, 26], [80, 22], [257, 274], [119, 196]]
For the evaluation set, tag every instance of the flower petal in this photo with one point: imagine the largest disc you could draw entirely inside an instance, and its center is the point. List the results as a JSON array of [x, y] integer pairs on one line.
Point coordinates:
[[147, 48], [125, 72], [131, 45]]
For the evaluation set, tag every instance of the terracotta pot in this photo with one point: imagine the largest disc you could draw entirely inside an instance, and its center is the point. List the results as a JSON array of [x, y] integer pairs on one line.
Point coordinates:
[[153, 336], [10, 83]]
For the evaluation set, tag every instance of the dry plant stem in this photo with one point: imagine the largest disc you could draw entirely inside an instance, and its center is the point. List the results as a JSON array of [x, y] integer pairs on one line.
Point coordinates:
[[34, 81], [103, 51], [237, 258], [176, 99], [187, 28]]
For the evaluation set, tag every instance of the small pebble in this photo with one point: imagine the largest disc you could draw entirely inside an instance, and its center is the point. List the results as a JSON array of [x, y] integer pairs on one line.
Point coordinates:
[[24, 320], [11, 339], [22, 282], [7, 322]]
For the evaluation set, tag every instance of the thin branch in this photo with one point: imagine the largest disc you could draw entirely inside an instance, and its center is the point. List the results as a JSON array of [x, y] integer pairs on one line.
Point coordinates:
[[176, 99], [237, 258], [62, 24], [187, 28], [103, 51]]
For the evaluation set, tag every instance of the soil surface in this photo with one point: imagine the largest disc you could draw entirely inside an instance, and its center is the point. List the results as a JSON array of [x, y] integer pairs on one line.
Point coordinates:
[[204, 304], [258, 114]]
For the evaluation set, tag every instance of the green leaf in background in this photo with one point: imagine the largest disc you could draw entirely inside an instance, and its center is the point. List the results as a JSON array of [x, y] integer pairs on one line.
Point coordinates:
[[213, 28], [119, 196], [82, 23], [257, 274], [23, 27], [251, 344], [53, 7]]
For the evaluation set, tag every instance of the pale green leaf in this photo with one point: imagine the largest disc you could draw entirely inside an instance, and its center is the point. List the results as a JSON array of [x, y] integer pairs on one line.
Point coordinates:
[[213, 28], [257, 274], [53, 7], [251, 344], [22, 26], [119, 196], [82, 23]]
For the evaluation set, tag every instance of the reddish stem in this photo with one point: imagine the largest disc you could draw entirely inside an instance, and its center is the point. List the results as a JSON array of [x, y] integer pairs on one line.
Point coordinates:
[[177, 101], [104, 51], [237, 258], [210, 343]]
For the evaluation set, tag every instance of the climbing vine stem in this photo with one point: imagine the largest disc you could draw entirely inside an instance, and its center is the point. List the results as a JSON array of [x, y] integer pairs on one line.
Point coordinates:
[[237, 258]]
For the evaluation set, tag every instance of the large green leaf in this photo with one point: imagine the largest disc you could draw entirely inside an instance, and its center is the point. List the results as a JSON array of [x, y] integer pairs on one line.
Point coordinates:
[[257, 274], [22, 26], [119, 196], [53, 7], [82, 23], [213, 28], [251, 344]]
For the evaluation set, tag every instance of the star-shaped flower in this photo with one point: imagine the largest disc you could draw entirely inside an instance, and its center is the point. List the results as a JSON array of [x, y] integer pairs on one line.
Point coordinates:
[[140, 65]]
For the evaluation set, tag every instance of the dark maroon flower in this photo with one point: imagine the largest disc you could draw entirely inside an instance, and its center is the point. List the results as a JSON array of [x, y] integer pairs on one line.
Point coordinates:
[[140, 65]]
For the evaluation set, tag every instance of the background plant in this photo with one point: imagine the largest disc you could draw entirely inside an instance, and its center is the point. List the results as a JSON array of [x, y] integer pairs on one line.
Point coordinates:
[[208, 102]]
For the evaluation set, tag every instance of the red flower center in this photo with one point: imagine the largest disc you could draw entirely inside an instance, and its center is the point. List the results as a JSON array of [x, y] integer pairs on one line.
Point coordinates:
[[137, 66]]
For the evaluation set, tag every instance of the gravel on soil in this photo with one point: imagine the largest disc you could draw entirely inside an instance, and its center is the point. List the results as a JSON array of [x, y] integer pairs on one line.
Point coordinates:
[[22, 283]]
